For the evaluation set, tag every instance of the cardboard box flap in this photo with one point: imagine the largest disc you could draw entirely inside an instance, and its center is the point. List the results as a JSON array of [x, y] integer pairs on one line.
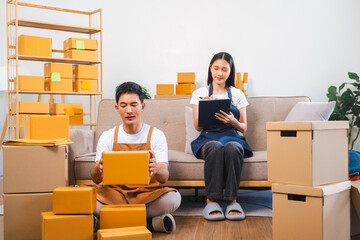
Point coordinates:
[[321, 125], [113, 232], [355, 195], [122, 206], [288, 126], [296, 189], [331, 189]]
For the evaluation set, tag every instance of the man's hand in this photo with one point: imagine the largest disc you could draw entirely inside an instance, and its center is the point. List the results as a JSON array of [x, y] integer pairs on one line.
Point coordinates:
[[158, 170], [97, 172], [154, 167]]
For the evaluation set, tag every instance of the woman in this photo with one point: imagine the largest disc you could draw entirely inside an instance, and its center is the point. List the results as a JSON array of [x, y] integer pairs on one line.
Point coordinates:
[[222, 148]]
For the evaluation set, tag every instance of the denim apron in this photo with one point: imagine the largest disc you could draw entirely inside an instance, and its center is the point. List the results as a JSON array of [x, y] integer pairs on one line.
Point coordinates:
[[222, 133]]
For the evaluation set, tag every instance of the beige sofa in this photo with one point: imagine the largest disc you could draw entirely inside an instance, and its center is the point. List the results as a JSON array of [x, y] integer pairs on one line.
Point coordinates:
[[169, 116]]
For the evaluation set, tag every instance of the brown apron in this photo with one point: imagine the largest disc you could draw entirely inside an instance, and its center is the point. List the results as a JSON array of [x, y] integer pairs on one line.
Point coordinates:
[[122, 194]]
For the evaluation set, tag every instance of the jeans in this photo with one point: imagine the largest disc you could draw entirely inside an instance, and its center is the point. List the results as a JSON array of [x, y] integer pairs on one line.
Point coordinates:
[[222, 169]]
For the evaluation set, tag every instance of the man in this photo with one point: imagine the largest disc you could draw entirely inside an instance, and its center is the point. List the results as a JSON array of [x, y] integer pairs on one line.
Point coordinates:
[[133, 135]]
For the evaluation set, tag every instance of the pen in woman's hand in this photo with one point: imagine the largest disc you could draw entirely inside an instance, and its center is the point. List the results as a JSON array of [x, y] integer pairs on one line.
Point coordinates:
[[201, 97]]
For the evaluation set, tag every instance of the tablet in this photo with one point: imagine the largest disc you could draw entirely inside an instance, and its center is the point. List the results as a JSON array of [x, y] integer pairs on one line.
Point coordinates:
[[207, 110]]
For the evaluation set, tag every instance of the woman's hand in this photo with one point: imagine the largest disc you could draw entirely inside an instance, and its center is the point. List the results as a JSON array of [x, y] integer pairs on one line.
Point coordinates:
[[208, 98], [226, 118]]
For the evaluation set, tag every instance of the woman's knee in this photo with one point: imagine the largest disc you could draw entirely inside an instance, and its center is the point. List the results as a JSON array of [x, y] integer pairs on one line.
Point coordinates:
[[234, 148], [211, 147]]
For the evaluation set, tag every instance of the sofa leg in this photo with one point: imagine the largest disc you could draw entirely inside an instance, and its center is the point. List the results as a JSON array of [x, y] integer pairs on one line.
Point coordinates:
[[196, 194]]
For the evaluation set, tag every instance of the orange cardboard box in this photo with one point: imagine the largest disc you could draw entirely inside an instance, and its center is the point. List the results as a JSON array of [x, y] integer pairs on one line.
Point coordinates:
[[22, 118], [185, 88], [60, 227], [74, 200], [61, 108], [82, 71], [186, 77], [33, 107], [46, 127], [125, 215], [59, 85], [35, 46], [165, 89], [81, 54], [86, 86], [31, 83], [58, 70], [76, 119], [126, 233], [80, 44]]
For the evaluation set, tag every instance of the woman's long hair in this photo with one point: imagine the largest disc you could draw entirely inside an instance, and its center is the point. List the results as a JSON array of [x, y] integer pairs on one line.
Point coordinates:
[[227, 57]]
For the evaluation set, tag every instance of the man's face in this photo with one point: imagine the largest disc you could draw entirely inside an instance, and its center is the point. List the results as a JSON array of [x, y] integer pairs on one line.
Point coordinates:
[[130, 108]]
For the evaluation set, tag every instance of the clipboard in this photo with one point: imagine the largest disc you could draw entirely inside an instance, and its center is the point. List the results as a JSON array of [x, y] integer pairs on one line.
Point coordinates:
[[208, 108]]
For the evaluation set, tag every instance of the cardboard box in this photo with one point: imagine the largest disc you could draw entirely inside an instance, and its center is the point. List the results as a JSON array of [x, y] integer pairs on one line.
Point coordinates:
[[80, 44], [126, 233], [354, 221], [81, 54], [307, 153], [76, 119], [60, 227], [22, 119], [165, 89], [35, 46], [34, 168], [74, 200], [301, 212], [34, 107], [185, 88], [47, 127], [186, 77], [86, 72], [63, 108], [22, 215], [126, 215], [56, 70], [87, 86], [62, 85], [31, 83], [125, 167]]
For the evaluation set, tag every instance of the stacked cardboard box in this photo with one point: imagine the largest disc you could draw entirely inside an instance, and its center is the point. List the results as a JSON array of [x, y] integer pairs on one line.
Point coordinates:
[[35, 46], [86, 78], [308, 161], [31, 83], [58, 77], [73, 110], [165, 89], [186, 83], [46, 127], [81, 49]]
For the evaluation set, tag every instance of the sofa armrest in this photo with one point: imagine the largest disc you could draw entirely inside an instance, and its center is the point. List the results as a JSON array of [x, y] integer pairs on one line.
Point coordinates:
[[83, 144]]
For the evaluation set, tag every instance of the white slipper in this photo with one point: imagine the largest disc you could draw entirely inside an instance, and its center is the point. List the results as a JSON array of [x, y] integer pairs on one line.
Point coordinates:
[[164, 223]]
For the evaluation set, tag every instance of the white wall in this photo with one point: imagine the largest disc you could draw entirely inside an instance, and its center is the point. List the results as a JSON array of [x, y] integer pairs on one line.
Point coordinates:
[[298, 47]]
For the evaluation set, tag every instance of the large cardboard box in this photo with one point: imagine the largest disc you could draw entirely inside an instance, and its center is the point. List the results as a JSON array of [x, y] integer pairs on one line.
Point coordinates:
[[86, 72], [70, 227], [307, 153], [74, 200], [126, 233], [165, 89], [185, 88], [59, 85], [81, 54], [81, 44], [86, 85], [47, 127], [34, 107], [125, 167], [22, 118], [126, 215], [301, 212], [22, 215], [35, 46], [56, 70], [31, 83], [186, 77], [34, 168]]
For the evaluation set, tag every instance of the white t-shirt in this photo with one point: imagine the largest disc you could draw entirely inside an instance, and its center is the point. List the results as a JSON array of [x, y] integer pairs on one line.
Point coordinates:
[[157, 141], [238, 97]]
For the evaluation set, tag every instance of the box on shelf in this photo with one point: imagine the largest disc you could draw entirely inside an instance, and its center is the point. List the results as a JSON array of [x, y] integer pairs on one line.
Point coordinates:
[[31, 83], [186, 77], [125, 167], [126, 215], [81, 54], [307, 153], [128, 233], [57, 71], [35, 46], [59, 85], [34, 168], [82, 71], [23, 116], [74, 200], [33, 107], [73, 110], [47, 127], [185, 88], [165, 89], [178, 96], [80, 44], [86, 86], [22, 215], [59, 227], [302, 212]]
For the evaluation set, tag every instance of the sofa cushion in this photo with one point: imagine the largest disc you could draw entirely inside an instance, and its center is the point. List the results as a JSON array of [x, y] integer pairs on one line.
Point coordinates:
[[83, 166], [191, 132], [311, 111]]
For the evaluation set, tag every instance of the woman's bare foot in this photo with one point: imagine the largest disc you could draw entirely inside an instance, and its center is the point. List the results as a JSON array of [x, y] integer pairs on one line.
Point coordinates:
[[234, 212], [211, 200]]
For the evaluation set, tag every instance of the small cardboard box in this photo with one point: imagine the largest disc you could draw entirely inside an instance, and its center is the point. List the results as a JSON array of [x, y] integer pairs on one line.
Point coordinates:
[[80, 44], [86, 72], [34, 107], [126, 233], [125, 167], [35, 46], [81, 54], [301, 212], [86, 86], [58, 70], [31, 83], [165, 89], [185, 88], [74, 200], [47, 127], [62, 108], [22, 215], [307, 153], [126, 215], [59, 85], [60, 227], [77, 119], [186, 77], [34, 168]]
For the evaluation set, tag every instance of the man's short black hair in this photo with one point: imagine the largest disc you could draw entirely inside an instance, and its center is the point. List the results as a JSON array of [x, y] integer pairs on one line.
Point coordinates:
[[129, 87]]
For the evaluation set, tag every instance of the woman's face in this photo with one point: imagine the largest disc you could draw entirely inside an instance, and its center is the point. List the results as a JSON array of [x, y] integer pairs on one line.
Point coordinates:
[[220, 71]]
